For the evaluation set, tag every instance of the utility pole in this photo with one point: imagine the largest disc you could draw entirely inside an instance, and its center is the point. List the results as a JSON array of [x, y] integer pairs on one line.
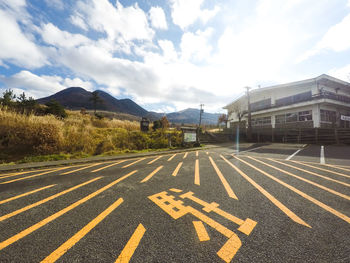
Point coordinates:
[[249, 132], [200, 113]]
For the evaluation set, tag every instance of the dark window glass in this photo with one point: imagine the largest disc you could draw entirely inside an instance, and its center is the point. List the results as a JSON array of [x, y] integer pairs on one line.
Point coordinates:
[[294, 99]]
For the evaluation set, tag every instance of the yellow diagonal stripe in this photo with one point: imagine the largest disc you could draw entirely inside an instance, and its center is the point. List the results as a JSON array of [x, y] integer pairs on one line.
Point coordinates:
[[151, 174], [155, 159], [107, 166], [128, 165], [82, 168], [79, 235], [176, 171], [201, 231]]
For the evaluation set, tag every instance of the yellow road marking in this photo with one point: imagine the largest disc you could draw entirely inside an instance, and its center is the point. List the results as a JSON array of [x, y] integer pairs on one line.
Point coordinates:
[[128, 165], [155, 159], [306, 196], [4, 217], [338, 167], [207, 153], [196, 173], [277, 203], [223, 180], [201, 231], [32, 176], [110, 165], [177, 169], [151, 174], [196, 153], [171, 157], [25, 194], [55, 255], [322, 169], [303, 179], [175, 190], [132, 244], [20, 173], [82, 168], [47, 220], [185, 155], [316, 174]]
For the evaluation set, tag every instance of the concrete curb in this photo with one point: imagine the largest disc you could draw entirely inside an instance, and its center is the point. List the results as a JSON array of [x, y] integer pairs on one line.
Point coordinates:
[[6, 168]]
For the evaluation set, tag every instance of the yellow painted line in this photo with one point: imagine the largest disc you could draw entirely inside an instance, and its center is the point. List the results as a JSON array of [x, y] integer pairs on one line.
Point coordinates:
[[171, 157], [175, 190], [110, 165], [82, 168], [338, 167], [322, 169], [132, 244], [277, 203], [185, 155], [59, 252], [32, 176], [306, 196], [26, 172], [128, 165], [25, 194], [151, 174], [155, 159], [223, 180], [309, 172], [177, 169], [4, 217], [201, 231], [47, 220], [196, 153], [207, 153], [303, 179], [196, 173]]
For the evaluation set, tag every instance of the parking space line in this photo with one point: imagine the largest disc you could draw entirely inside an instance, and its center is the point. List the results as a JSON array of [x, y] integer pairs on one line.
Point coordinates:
[[25, 194], [177, 169], [322, 159], [223, 180], [130, 164], [277, 203], [322, 169], [309, 172], [171, 157], [201, 231], [306, 196], [196, 153], [292, 155], [196, 173], [185, 155], [207, 153], [107, 166], [250, 149], [82, 168], [61, 250], [45, 200], [25, 172], [157, 158], [303, 179], [33, 175], [47, 220], [338, 167], [132, 244], [151, 174]]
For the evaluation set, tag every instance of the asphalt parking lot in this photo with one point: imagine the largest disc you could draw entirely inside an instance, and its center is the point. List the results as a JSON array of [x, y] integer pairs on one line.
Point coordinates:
[[252, 203]]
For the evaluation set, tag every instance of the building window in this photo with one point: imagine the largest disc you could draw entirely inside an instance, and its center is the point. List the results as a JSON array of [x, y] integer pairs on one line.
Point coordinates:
[[305, 115], [265, 121], [260, 105], [328, 116], [292, 117], [294, 99]]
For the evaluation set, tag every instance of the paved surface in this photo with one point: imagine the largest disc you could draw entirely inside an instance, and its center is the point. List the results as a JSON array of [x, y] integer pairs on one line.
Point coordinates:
[[207, 206]]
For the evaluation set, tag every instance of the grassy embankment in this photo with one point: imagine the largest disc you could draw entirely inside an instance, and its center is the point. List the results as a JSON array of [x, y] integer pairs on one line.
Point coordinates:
[[42, 138]]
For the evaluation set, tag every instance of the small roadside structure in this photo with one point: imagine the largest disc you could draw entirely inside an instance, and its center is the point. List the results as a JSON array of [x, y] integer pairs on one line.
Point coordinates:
[[144, 124], [190, 136]]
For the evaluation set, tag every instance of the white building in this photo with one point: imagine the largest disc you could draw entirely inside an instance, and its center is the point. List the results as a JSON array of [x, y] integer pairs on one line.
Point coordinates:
[[318, 102]]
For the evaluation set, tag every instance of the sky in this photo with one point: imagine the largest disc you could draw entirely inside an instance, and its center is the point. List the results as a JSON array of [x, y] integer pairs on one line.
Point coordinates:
[[169, 55]]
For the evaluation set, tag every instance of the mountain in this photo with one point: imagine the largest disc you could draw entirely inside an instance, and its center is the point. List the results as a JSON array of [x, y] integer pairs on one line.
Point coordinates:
[[76, 98], [188, 116]]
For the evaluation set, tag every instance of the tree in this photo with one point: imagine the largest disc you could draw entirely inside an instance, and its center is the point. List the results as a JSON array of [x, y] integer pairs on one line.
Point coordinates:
[[25, 104], [55, 108], [165, 123], [239, 111], [95, 98], [157, 125], [8, 98]]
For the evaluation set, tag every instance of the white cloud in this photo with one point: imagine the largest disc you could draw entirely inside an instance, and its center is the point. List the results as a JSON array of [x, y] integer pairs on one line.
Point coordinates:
[[157, 17], [78, 21], [195, 46], [15, 46], [169, 52], [185, 13], [342, 73], [41, 86], [57, 4]]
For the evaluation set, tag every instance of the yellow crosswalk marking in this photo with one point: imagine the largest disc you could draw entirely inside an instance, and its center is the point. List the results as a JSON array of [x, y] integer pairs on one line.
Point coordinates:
[[303, 179], [54, 256], [277, 203], [25, 194], [47, 220], [132, 244], [130, 164], [223, 180], [155, 159], [306, 196], [9, 215], [110, 165], [201, 231], [176, 171], [151, 174], [196, 173]]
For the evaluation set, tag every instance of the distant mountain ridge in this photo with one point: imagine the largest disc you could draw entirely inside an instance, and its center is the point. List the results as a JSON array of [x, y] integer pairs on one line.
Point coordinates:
[[76, 98]]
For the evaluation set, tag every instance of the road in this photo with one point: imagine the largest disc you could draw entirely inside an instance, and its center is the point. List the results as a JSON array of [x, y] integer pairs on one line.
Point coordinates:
[[200, 206]]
